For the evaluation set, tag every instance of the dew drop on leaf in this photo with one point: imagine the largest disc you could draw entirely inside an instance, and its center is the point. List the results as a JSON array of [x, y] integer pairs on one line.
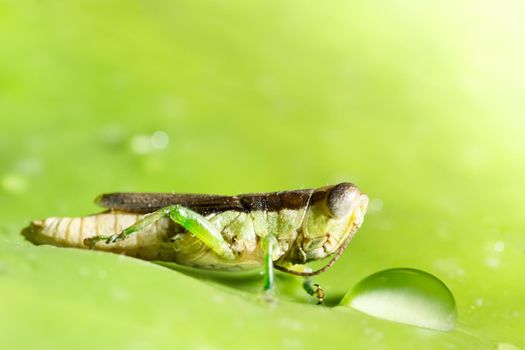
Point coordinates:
[[13, 183], [407, 296], [506, 346]]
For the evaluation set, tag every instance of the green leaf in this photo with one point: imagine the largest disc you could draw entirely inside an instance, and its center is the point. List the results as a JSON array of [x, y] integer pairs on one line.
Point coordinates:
[[418, 103]]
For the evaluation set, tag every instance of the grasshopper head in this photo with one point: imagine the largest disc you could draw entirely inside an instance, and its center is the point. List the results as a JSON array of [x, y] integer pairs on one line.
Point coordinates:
[[345, 201], [335, 214]]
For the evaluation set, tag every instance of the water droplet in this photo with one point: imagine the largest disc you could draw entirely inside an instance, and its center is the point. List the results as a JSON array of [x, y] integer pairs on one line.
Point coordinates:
[[443, 232], [29, 165], [407, 296], [160, 140], [507, 346], [112, 134], [171, 107], [84, 271], [140, 144], [120, 294], [499, 246], [291, 324], [375, 205], [3, 267], [450, 267], [291, 343], [14, 183], [218, 299], [373, 334], [147, 144], [492, 262]]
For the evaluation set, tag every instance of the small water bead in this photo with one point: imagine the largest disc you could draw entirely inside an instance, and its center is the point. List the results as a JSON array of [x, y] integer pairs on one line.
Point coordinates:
[[506, 346], [160, 140], [14, 183], [112, 134], [146, 144], [375, 205], [102, 274], [3, 267], [407, 296], [499, 246], [452, 268], [492, 262], [29, 165], [140, 144], [120, 294]]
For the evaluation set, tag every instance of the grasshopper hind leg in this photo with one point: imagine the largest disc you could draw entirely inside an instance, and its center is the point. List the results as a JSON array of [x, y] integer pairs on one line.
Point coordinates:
[[193, 222]]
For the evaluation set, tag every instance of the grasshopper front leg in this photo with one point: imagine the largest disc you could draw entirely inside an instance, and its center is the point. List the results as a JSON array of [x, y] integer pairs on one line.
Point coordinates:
[[187, 218], [313, 289], [269, 244]]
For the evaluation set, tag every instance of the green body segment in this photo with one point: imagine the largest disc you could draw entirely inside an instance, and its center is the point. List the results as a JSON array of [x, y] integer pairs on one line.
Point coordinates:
[[227, 240]]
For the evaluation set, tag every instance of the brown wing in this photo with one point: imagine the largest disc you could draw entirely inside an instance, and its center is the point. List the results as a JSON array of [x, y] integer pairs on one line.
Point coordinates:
[[205, 203], [149, 202], [275, 201]]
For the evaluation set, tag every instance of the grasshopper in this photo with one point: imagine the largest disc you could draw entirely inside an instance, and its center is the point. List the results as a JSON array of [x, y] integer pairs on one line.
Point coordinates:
[[282, 230]]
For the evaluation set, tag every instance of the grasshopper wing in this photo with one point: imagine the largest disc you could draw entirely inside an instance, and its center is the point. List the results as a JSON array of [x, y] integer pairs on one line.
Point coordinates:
[[135, 202]]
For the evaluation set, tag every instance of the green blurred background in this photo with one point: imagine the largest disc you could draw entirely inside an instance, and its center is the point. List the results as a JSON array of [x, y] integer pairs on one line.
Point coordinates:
[[420, 103]]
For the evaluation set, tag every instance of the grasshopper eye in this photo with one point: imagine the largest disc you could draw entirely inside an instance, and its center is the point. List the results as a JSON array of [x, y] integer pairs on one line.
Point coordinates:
[[341, 198]]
